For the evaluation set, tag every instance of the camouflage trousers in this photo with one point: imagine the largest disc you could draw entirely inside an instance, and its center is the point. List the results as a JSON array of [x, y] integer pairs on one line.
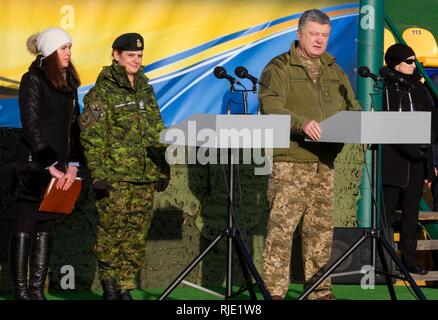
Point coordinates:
[[124, 220], [299, 191]]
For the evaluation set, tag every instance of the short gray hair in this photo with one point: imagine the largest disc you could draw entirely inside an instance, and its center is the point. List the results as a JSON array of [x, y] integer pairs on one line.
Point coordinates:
[[313, 15]]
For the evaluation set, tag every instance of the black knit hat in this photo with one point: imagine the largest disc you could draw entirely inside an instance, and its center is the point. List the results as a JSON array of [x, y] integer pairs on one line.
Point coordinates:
[[129, 42], [397, 53]]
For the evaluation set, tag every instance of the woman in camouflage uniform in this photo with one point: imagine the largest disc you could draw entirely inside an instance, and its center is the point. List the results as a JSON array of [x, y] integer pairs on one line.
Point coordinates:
[[120, 133]]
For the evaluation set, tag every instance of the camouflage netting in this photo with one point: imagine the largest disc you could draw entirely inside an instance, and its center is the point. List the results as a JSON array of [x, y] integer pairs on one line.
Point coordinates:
[[348, 168], [189, 214]]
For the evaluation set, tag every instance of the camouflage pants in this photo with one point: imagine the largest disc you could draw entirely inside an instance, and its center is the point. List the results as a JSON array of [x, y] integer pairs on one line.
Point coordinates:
[[299, 191], [124, 220]]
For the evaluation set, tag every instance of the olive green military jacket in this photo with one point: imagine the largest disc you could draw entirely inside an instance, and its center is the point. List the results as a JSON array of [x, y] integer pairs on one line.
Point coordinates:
[[121, 127], [287, 89]]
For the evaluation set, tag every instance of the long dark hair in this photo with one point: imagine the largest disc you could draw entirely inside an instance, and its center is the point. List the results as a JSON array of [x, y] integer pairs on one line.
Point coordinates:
[[56, 75]]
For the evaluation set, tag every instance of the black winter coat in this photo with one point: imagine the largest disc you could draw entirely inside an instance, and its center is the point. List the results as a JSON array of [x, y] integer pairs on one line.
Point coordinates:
[[50, 134], [396, 159]]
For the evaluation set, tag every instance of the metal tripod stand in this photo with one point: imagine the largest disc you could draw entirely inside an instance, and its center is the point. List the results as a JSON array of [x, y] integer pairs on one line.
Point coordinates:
[[379, 243], [234, 241]]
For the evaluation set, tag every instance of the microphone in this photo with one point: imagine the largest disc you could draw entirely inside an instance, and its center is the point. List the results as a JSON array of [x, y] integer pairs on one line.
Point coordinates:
[[242, 73], [365, 72], [220, 73], [388, 74]]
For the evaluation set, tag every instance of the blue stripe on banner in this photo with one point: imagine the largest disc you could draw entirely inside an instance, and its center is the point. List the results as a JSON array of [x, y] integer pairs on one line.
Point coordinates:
[[199, 91], [9, 113]]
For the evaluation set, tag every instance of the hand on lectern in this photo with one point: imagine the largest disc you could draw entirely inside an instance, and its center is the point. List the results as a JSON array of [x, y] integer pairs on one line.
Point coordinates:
[[312, 130]]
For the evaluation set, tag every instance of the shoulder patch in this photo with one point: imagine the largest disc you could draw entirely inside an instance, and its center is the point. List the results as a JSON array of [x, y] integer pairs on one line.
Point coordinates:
[[93, 110]]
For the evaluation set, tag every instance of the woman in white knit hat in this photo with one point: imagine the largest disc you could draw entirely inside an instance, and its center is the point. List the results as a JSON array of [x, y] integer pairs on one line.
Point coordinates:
[[49, 147]]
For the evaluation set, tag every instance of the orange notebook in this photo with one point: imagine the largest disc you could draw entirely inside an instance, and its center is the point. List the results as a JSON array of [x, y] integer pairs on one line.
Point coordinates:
[[60, 201]]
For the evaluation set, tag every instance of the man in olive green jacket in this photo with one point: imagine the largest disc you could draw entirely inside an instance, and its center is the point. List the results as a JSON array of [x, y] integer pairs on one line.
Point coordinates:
[[307, 84]]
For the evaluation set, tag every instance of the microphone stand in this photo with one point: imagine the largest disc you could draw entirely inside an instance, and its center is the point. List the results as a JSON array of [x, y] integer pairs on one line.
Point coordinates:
[[386, 92], [411, 104], [232, 232], [379, 243], [244, 92], [234, 240]]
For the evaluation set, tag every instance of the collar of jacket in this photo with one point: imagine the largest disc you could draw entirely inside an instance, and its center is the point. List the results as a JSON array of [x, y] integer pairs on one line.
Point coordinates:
[[37, 63], [326, 58], [37, 67], [117, 74], [412, 78]]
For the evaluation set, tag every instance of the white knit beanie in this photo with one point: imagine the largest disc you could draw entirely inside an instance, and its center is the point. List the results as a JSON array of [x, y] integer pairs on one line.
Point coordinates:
[[48, 41]]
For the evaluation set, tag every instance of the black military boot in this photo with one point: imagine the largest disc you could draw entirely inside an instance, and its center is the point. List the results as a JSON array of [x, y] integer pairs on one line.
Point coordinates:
[[109, 287], [40, 264], [125, 295], [19, 260]]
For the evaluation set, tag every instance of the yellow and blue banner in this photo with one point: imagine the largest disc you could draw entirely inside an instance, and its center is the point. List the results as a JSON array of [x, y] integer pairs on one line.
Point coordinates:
[[184, 41]]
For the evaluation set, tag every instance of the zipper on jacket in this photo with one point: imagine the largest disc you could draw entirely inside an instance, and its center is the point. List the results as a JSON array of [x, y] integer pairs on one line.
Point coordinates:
[[317, 85], [68, 134], [141, 138]]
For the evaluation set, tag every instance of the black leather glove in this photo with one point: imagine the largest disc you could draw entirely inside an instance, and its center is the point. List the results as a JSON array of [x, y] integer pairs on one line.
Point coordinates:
[[157, 155], [161, 184], [101, 189]]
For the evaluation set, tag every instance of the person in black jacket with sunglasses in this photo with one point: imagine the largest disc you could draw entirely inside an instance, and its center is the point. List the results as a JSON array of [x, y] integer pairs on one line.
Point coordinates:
[[405, 167]]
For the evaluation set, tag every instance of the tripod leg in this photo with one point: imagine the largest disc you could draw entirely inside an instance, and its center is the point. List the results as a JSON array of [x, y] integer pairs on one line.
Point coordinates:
[[332, 267], [403, 269], [250, 265], [229, 280], [388, 278], [189, 268], [245, 271]]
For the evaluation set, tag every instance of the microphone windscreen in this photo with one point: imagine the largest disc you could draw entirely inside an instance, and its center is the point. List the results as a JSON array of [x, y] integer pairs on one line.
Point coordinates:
[[363, 71], [241, 72], [219, 72]]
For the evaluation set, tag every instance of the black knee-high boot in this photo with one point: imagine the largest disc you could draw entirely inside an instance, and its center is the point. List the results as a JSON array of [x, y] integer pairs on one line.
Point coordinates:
[[19, 260], [109, 287], [40, 264]]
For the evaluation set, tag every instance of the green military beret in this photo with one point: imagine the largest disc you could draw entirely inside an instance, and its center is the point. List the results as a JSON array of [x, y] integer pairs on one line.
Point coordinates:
[[129, 42]]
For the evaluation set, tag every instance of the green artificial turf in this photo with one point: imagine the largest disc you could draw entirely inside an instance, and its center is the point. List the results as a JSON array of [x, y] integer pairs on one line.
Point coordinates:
[[342, 292]]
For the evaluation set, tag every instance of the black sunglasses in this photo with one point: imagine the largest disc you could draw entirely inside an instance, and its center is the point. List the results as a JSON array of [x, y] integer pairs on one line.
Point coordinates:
[[409, 61]]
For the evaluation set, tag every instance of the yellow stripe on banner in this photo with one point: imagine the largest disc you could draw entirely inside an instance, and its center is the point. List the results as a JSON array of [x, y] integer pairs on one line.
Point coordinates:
[[232, 45], [169, 27], [221, 48]]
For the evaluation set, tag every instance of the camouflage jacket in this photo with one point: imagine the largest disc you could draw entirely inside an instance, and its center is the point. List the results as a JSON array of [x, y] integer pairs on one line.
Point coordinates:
[[121, 127]]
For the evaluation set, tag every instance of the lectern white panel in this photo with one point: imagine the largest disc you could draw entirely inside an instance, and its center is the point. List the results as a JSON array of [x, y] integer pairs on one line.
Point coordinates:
[[230, 131], [378, 127]]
